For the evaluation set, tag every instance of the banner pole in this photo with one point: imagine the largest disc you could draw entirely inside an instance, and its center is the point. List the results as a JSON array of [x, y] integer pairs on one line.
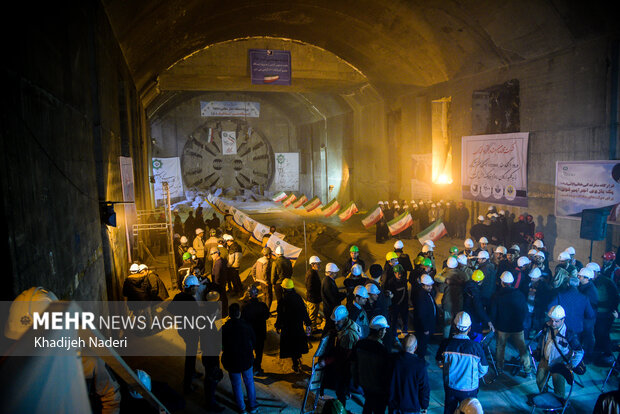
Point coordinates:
[[305, 247]]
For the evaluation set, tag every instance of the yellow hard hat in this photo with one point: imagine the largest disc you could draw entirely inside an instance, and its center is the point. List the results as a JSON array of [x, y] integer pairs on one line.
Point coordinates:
[[477, 276], [288, 283], [390, 256]]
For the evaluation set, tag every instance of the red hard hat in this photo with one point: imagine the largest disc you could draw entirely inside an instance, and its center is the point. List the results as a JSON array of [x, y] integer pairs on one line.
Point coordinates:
[[609, 256], [539, 235], [521, 218]]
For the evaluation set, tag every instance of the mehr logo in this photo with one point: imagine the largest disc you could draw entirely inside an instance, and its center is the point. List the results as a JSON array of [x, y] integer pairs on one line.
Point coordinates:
[[280, 159], [157, 164]]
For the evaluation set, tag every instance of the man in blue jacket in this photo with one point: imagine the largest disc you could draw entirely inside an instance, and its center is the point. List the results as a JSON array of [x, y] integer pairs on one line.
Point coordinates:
[[576, 305], [409, 388], [463, 362]]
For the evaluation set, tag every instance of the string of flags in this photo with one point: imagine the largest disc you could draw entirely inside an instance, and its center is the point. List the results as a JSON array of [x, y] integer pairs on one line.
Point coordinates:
[[395, 226]]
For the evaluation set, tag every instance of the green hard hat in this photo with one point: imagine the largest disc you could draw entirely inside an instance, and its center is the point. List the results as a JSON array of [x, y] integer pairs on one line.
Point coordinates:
[[354, 249], [454, 249], [187, 256], [399, 269], [334, 406], [427, 262]]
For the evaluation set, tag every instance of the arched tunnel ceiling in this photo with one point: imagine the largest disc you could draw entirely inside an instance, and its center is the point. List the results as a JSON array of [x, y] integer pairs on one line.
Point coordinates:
[[393, 43]]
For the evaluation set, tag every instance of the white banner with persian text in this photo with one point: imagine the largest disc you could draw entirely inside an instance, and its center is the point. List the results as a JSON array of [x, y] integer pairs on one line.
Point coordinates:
[[494, 168], [286, 171], [168, 170], [234, 109], [581, 185]]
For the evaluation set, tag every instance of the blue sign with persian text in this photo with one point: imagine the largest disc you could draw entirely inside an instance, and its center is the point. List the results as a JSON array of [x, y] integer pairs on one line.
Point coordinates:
[[270, 66]]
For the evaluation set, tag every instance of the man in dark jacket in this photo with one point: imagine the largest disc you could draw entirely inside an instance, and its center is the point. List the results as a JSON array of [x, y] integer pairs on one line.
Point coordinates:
[[424, 314], [372, 368], [218, 277], [472, 304], [575, 304], [330, 294], [238, 342], [409, 386], [587, 288], [281, 268], [487, 288], [461, 216], [292, 316], [256, 314], [400, 302], [606, 313], [508, 312], [313, 291], [354, 253]]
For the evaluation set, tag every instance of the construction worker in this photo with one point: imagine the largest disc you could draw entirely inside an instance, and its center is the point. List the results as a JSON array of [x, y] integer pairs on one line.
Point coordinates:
[[424, 314], [508, 313], [472, 304], [483, 243], [403, 258], [261, 274], [313, 291], [218, 277], [400, 302], [256, 313], [452, 281], [409, 386], [281, 268], [356, 310], [587, 288], [330, 294], [234, 262], [199, 245], [354, 258], [487, 288], [292, 316], [464, 364], [391, 259]]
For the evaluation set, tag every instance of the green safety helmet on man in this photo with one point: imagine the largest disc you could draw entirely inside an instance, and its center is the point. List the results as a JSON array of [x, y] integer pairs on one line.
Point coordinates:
[[427, 262], [354, 249], [187, 256], [454, 249]]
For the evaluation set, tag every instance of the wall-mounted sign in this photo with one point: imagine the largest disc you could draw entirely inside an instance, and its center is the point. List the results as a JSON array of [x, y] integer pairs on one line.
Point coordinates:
[[230, 109], [229, 142], [270, 66], [581, 185], [494, 168], [286, 171], [167, 170]]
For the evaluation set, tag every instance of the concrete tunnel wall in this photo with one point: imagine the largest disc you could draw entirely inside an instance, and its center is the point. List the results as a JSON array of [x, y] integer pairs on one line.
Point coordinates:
[[70, 110]]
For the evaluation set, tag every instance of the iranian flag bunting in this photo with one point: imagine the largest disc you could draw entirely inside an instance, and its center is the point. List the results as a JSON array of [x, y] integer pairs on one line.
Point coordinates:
[[348, 211], [279, 197], [400, 223], [289, 200], [312, 204], [433, 232], [373, 216], [300, 201], [330, 208]]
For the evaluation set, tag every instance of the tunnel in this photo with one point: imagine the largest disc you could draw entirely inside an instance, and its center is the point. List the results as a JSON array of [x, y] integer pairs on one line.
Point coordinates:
[[384, 102]]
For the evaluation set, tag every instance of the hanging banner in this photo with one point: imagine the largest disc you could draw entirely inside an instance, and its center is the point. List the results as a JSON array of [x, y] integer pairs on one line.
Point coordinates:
[[373, 216], [433, 232], [270, 66], [167, 170], [421, 171], [583, 185], [494, 168], [400, 223], [331, 207], [286, 176], [131, 216], [312, 204], [229, 109], [281, 196], [290, 252], [300, 201], [229, 142], [347, 211]]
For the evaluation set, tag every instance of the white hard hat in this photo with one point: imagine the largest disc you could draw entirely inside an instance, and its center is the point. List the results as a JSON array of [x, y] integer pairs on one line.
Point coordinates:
[[331, 267], [314, 259], [501, 212], [540, 254], [539, 244], [394, 202], [523, 261], [279, 250], [134, 268], [20, 318], [429, 242], [462, 321], [516, 247], [469, 243], [594, 267], [564, 256], [426, 248], [379, 322], [462, 259], [360, 291], [184, 239], [557, 312], [501, 249], [507, 277], [380, 202], [198, 231], [433, 205], [483, 240], [490, 208], [143, 267], [452, 262], [426, 280], [483, 254], [570, 250], [190, 280], [372, 289], [535, 273], [585, 272], [339, 313], [356, 270], [532, 252], [480, 218], [470, 406], [399, 244], [227, 237]]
